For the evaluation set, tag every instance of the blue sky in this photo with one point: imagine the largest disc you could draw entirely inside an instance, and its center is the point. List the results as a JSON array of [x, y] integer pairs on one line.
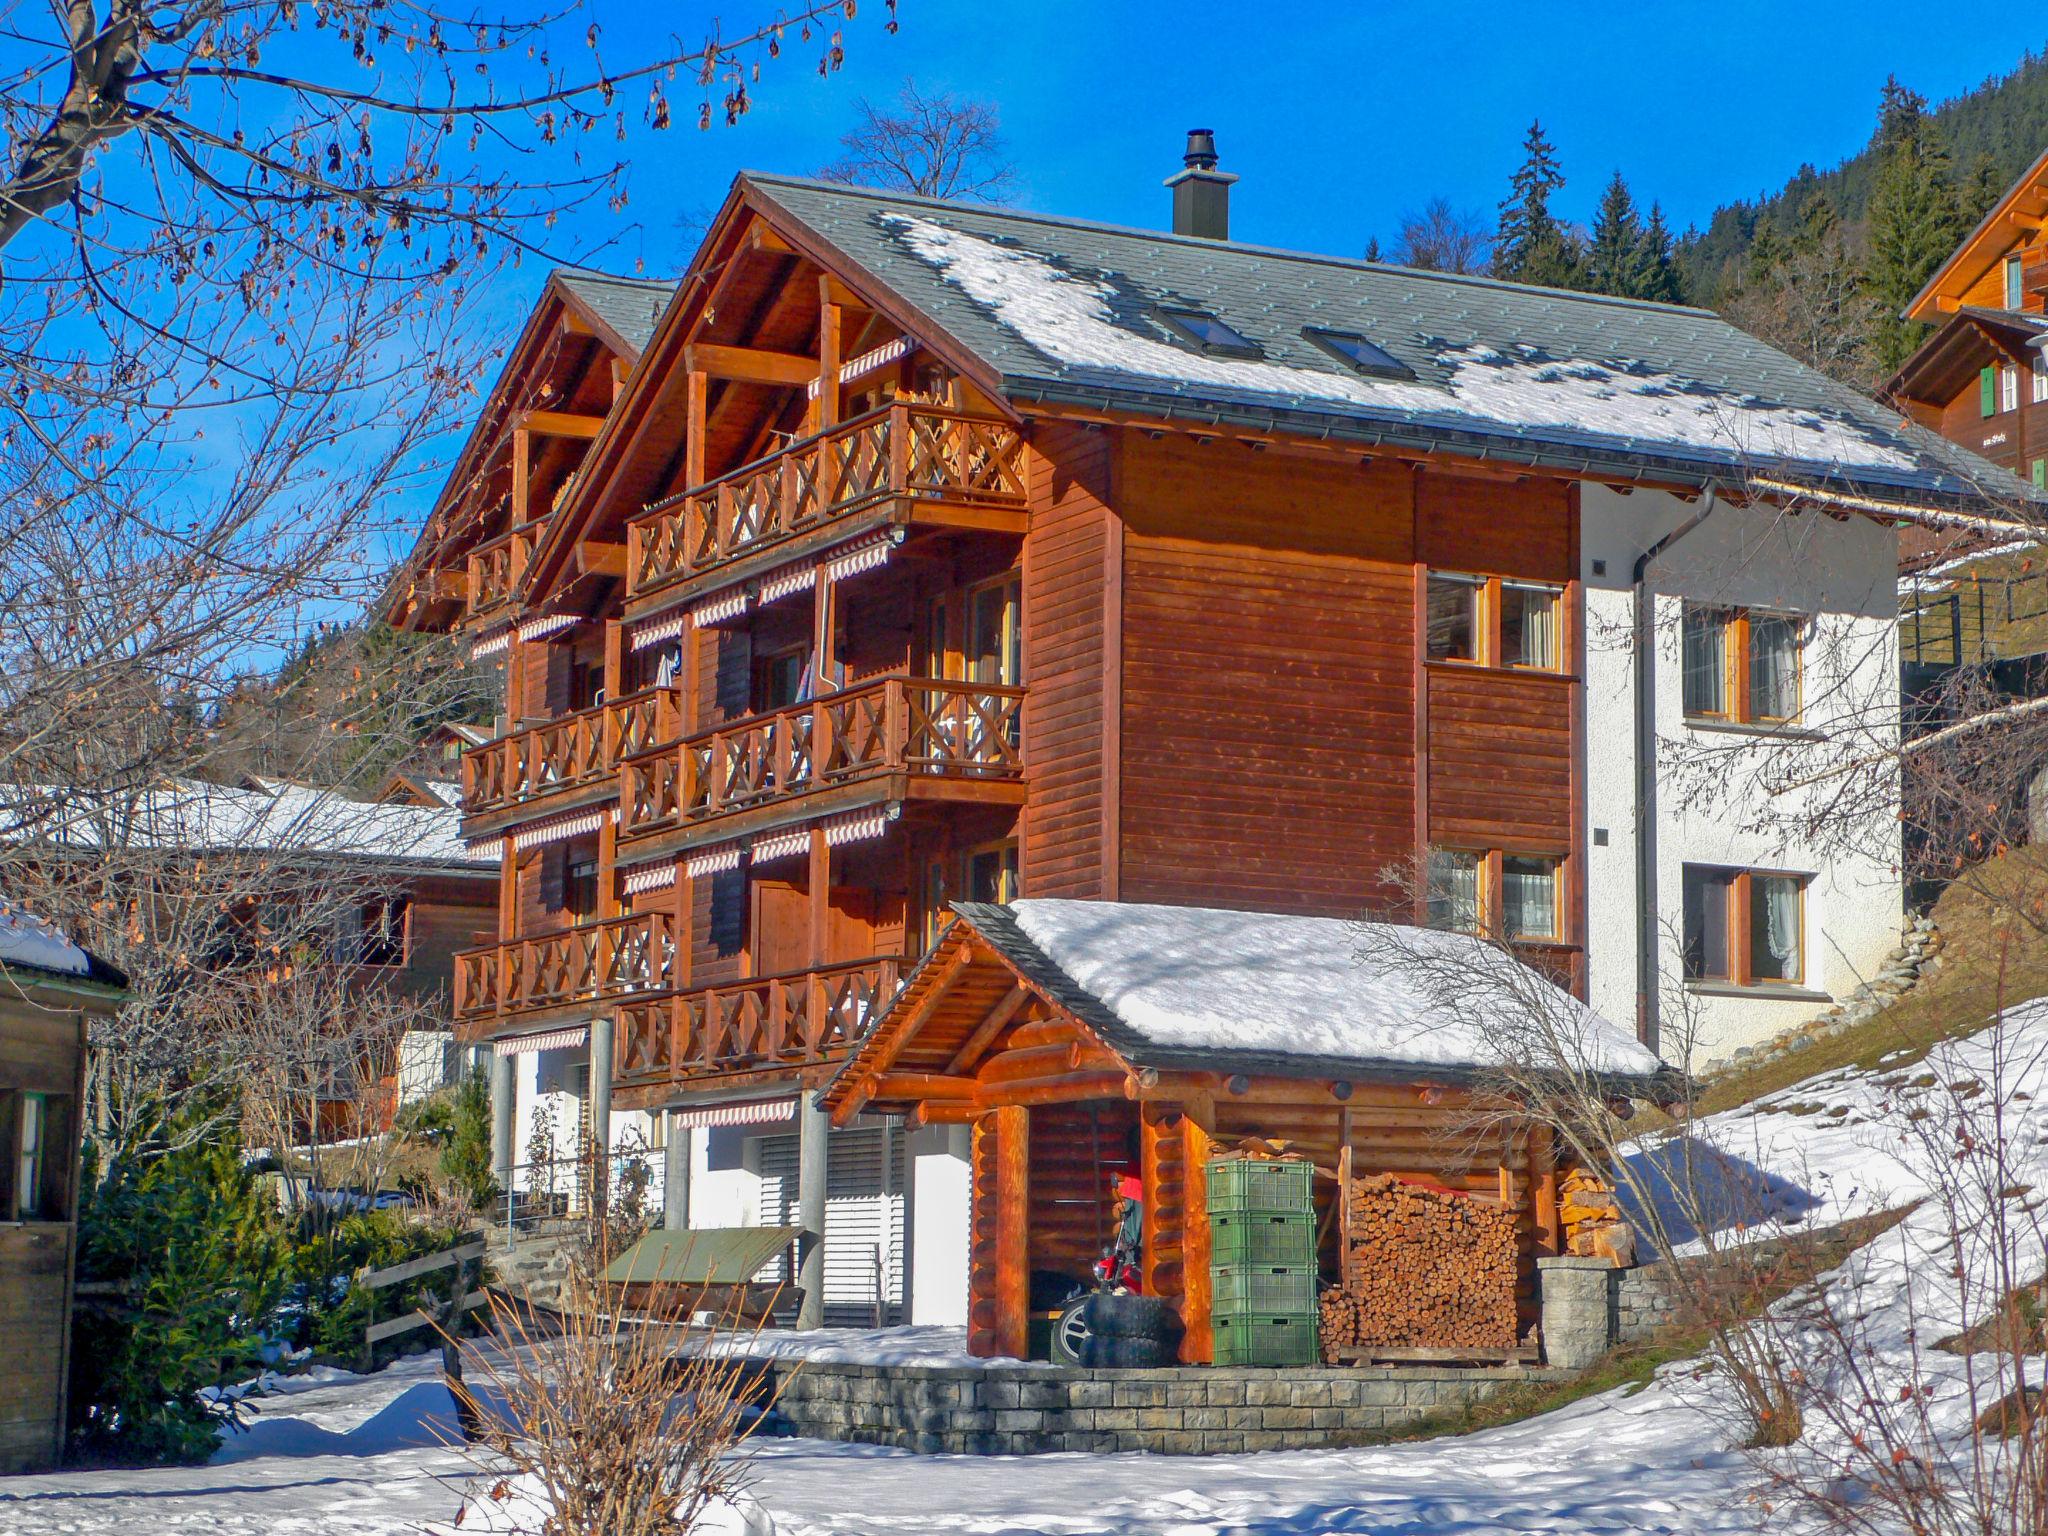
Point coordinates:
[[1340, 117]]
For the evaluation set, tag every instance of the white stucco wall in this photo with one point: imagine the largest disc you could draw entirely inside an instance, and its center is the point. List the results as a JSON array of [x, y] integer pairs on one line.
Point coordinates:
[[549, 1077], [1711, 807], [939, 1205]]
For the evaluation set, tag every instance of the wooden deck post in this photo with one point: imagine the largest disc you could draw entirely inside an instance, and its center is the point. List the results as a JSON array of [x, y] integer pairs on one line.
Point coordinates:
[[1198, 1342], [1012, 1230], [1543, 1181]]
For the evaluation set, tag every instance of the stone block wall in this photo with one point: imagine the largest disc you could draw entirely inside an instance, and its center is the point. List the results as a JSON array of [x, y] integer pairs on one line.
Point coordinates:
[[1186, 1411], [1642, 1303]]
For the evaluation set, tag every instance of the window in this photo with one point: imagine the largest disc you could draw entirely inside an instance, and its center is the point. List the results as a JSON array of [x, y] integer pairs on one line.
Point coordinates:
[[2040, 373], [2008, 387], [34, 1179], [1741, 664], [579, 888], [992, 873], [1454, 880], [1516, 895], [1493, 622], [384, 932], [32, 1116], [1213, 336], [1744, 927], [781, 679], [995, 633], [1367, 357], [2015, 283]]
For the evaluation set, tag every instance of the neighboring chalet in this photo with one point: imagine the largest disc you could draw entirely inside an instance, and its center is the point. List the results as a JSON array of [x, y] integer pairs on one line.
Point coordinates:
[[49, 990], [924, 554]]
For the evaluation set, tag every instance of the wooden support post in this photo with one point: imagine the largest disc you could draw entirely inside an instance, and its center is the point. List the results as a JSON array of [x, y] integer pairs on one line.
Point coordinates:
[[813, 1131], [508, 893], [696, 391], [614, 658], [609, 903], [522, 463], [1198, 1341], [1012, 1230], [1543, 1180], [826, 408]]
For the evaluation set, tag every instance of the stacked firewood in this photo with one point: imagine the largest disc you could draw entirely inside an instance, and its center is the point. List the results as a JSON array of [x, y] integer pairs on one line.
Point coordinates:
[[1423, 1268], [1593, 1228]]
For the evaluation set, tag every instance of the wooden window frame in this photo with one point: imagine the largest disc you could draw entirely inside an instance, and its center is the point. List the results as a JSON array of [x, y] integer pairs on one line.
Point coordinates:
[[1735, 666], [362, 937], [1492, 892], [2008, 388], [1012, 578], [993, 845], [1741, 958], [1486, 622]]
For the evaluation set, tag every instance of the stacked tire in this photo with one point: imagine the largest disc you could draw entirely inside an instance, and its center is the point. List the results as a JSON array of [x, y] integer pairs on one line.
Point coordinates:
[[1121, 1332]]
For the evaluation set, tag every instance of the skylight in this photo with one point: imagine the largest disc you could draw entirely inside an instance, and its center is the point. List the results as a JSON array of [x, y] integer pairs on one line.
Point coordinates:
[[1210, 334], [1354, 351]]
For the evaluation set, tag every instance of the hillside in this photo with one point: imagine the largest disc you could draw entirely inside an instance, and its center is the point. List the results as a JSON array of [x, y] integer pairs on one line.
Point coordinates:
[[1996, 131]]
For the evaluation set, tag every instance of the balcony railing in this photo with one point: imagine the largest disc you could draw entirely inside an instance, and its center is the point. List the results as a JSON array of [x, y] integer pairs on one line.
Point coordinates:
[[619, 958], [497, 566], [890, 725], [568, 753], [894, 451], [764, 1022]]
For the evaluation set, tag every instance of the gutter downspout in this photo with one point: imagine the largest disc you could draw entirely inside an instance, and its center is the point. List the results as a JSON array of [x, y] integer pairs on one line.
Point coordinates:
[[1646, 775]]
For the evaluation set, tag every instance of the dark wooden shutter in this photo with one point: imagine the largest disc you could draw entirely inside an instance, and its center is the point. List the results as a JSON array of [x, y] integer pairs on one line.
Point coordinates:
[[729, 912], [735, 674], [554, 877], [561, 680]]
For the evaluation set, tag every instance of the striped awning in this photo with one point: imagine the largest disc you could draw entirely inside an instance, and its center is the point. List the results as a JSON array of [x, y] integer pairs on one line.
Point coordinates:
[[655, 631], [491, 644], [556, 829], [750, 1112], [862, 555], [781, 845], [541, 625], [876, 357], [546, 1040], [652, 877], [787, 582], [715, 860], [718, 610], [860, 826]]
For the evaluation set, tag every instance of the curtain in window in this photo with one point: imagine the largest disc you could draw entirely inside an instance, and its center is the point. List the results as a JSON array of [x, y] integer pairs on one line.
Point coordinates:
[[1528, 892], [1773, 667], [1453, 890], [1706, 671], [1774, 928], [1528, 625]]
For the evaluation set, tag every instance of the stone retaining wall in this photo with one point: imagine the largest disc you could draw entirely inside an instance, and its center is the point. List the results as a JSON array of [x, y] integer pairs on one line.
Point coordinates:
[[1185, 1411], [1642, 1304]]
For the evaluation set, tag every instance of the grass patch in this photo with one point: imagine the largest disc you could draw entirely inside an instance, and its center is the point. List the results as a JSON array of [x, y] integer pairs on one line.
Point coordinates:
[[1989, 960]]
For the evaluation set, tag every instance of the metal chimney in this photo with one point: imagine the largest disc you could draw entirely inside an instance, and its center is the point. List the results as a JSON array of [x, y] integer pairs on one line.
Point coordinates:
[[1201, 193]]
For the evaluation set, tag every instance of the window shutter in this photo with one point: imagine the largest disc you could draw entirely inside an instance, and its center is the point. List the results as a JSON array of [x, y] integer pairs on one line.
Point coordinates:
[[728, 926], [554, 877], [2041, 474], [561, 680], [1987, 391]]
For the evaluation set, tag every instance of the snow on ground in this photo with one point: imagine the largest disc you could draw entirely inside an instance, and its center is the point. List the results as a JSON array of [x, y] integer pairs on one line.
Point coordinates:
[[925, 1345], [361, 1454]]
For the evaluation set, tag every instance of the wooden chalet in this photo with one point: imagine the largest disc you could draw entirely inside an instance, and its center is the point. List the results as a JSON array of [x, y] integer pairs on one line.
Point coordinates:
[[50, 990], [1980, 378], [921, 554], [1170, 1051]]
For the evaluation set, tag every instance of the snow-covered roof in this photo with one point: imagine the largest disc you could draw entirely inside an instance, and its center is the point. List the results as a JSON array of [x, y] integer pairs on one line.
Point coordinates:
[[26, 940], [267, 815], [1068, 312], [1212, 986]]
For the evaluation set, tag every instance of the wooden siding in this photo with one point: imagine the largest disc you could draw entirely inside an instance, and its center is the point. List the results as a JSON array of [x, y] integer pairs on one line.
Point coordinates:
[[1065, 662], [1268, 755], [1500, 759]]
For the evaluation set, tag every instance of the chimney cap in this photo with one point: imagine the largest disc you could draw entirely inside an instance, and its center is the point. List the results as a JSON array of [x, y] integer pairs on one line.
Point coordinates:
[[1201, 151]]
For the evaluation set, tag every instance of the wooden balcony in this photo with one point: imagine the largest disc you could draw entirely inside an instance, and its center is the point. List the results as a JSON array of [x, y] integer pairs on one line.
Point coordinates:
[[891, 738], [764, 1026], [898, 463], [561, 763], [602, 962], [496, 568]]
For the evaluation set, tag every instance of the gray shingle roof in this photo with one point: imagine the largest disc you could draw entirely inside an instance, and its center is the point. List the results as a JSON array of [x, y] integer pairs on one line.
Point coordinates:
[[631, 306], [1065, 312]]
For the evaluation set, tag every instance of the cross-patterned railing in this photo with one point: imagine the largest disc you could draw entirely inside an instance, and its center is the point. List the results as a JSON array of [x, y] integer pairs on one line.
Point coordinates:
[[569, 752], [894, 450], [797, 1019], [618, 958], [888, 725], [497, 566]]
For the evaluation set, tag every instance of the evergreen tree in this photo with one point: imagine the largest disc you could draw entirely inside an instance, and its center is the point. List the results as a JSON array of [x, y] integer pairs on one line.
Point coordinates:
[[1660, 260], [1532, 247], [1915, 219], [1982, 190], [1615, 256], [1372, 249]]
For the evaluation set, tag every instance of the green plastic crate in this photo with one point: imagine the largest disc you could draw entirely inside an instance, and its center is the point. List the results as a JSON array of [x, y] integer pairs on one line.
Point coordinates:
[[1270, 1288], [1262, 1237], [1260, 1184], [1258, 1338]]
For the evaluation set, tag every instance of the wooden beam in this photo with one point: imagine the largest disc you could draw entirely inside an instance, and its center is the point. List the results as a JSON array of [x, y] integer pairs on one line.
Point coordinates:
[[447, 586], [595, 559], [750, 365], [990, 1026], [693, 442], [890, 1049], [1012, 1296], [762, 238], [923, 1085], [559, 424], [944, 1112], [1198, 1341], [827, 403], [522, 467]]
